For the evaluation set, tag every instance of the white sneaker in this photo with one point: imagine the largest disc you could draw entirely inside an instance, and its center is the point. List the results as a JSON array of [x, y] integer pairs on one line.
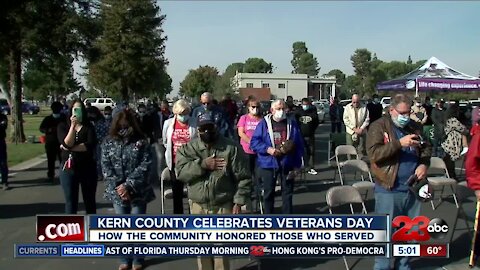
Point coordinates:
[[464, 151], [313, 172], [168, 194]]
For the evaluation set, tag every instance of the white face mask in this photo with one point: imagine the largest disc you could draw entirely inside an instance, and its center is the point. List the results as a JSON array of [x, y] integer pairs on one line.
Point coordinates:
[[418, 104], [279, 115], [253, 111]]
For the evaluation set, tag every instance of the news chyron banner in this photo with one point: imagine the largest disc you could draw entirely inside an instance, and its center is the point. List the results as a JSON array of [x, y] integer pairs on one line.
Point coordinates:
[[207, 235]]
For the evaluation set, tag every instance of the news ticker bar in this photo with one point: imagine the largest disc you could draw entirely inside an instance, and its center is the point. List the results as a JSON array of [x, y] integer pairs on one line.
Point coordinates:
[[421, 250], [107, 250], [214, 229]]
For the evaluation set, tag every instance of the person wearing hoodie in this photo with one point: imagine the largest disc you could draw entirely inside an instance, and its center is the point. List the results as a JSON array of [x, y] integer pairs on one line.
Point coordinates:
[[278, 142], [307, 118], [52, 145]]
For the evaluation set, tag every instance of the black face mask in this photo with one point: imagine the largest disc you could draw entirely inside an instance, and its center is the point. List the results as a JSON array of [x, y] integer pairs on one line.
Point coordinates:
[[208, 137]]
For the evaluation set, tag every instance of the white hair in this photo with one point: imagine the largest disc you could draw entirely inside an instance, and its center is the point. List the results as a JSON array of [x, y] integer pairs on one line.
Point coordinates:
[[277, 101], [207, 94], [180, 106]]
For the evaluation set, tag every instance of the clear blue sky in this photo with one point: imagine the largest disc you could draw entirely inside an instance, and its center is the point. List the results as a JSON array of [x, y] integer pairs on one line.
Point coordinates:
[[218, 33]]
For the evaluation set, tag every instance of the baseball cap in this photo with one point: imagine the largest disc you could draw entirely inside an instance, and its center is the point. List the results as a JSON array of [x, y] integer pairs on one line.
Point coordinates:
[[205, 119]]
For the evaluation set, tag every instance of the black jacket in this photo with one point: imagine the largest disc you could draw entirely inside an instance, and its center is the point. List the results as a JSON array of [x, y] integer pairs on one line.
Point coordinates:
[[49, 128], [375, 111], [308, 121], [3, 126]]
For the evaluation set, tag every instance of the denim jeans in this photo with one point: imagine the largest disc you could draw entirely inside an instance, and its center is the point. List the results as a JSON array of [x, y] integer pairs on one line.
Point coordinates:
[[396, 204], [136, 209], [269, 179], [70, 181], [309, 143], [53, 154]]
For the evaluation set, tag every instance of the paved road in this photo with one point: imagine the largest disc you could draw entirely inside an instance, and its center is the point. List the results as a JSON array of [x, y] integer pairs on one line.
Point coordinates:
[[30, 196]]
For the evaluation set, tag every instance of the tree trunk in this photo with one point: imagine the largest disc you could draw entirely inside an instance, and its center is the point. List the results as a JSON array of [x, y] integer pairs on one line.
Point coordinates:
[[15, 70]]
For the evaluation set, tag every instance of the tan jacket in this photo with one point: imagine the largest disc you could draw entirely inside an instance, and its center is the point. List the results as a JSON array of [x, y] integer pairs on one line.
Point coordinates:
[[419, 110], [383, 148], [349, 118]]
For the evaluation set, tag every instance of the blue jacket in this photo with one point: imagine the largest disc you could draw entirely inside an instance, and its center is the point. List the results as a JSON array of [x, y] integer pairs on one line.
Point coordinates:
[[262, 139]]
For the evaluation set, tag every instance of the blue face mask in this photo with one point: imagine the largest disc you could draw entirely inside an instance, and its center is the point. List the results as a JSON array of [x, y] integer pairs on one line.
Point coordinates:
[[401, 120], [56, 115], [183, 118], [305, 107]]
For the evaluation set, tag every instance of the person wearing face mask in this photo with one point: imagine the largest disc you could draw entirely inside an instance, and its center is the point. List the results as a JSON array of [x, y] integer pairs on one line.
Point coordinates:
[[146, 123], [52, 145], [177, 131], [126, 162], [438, 120], [397, 154], [375, 109], [307, 117], [418, 114], [267, 141], [246, 127], [356, 119], [216, 172], [219, 117], [77, 142]]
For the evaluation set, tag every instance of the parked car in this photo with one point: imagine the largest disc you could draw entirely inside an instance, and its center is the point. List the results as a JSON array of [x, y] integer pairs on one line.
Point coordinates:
[[345, 102], [30, 108], [4, 107], [385, 101], [101, 103], [475, 102]]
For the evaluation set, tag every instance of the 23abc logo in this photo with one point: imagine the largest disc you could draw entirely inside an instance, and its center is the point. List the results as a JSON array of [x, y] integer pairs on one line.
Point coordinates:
[[436, 228]]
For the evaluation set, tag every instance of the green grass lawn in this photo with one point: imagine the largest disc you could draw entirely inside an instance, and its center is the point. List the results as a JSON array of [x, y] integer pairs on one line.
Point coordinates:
[[18, 153]]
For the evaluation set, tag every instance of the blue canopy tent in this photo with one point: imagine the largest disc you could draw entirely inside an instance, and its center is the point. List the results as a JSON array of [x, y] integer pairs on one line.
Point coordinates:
[[434, 75]]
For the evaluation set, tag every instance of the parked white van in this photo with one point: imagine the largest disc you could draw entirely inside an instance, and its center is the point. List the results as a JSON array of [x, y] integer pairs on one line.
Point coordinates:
[[101, 103]]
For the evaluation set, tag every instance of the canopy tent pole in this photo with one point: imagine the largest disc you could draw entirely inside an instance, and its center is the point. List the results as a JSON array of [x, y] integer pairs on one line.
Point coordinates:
[[416, 88]]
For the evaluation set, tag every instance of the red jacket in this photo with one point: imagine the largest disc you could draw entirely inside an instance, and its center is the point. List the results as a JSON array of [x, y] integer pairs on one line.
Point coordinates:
[[472, 163]]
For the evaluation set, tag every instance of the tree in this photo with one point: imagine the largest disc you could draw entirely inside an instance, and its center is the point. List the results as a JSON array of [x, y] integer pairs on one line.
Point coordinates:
[[199, 80], [31, 29], [257, 65], [51, 76], [339, 75], [131, 49], [232, 69], [303, 62], [362, 64], [352, 83]]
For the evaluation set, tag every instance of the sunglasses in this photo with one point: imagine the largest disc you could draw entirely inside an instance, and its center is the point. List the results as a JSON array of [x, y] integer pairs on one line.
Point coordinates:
[[254, 107]]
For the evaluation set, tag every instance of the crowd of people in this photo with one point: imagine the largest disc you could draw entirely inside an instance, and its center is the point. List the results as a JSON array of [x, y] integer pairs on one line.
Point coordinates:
[[226, 169]]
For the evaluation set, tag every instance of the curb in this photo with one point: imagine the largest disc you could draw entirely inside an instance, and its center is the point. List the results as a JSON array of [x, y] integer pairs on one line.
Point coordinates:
[[28, 163]]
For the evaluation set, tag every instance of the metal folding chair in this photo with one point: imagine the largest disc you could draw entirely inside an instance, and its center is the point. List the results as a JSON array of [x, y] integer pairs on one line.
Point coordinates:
[[343, 150], [441, 181], [364, 187], [463, 193], [335, 140], [341, 195], [165, 176]]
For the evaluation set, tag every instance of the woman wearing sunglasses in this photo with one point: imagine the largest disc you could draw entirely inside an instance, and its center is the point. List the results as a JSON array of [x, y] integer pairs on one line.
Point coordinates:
[[246, 127]]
